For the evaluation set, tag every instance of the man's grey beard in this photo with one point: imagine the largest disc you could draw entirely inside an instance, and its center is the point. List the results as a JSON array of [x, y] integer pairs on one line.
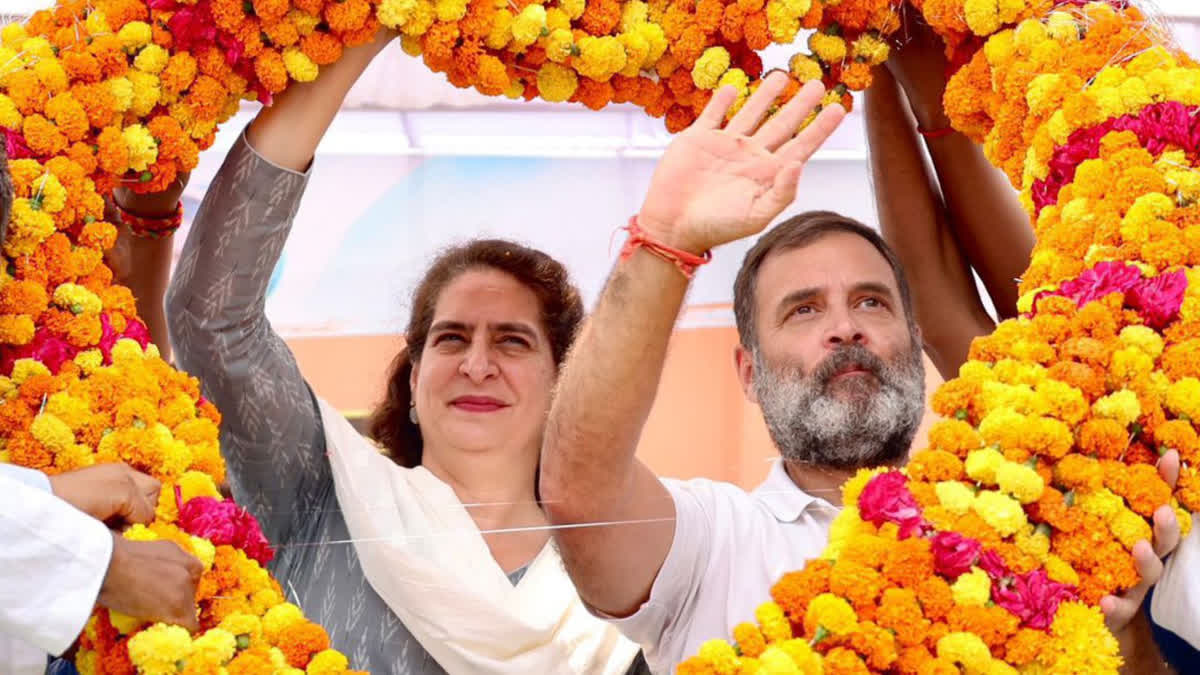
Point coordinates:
[[874, 425]]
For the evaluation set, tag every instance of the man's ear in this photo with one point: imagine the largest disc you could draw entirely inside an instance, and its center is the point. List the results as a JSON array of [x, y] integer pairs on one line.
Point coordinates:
[[743, 360]]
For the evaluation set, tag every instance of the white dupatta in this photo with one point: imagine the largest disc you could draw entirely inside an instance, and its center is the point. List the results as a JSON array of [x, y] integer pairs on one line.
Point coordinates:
[[1176, 602], [423, 554]]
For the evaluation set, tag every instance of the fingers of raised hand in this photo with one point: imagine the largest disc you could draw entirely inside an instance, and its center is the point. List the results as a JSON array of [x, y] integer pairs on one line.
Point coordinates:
[[1167, 534], [802, 147], [1120, 610], [751, 114], [785, 124]]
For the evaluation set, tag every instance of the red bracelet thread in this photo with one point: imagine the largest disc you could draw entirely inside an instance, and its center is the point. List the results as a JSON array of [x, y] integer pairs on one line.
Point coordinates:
[[685, 261], [152, 227], [936, 133]]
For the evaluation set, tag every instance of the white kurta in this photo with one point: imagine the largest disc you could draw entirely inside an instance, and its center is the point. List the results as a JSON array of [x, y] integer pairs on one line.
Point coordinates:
[[53, 559]]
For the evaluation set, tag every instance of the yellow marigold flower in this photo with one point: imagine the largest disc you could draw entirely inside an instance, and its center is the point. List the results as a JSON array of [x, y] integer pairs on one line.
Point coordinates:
[[972, 589], [720, 655], [13, 35], [982, 464], [656, 38], [1060, 570], [51, 74], [828, 48], [527, 26], [127, 352], [143, 149], [97, 22], [87, 662], [966, 649], [1183, 398], [832, 613], [1146, 209], [954, 496], [330, 662], [600, 57], [40, 48], [395, 13], [218, 646], [845, 528], [6, 386], [1185, 520], [422, 18], [306, 23], [52, 432], [204, 551], [89, 361], [159, 649], [299, 66], [1080, 642], [556, 83], [28, 228], [152, 59], [77, 299], [982, 16], [1121, 406], [999, 48], [709, 68], [9, 115], [1003, 513], [1129, 528], [805, 661], [1062, 27], [871, 48], [278, 619], [147, 90], [1059, 127], [736, 78], [633, 13], [573, 8], [977, 370], [247, 628], [560, 45], [125, 624], [783, 23], [1020, 481], [1134, 95], [24, 369], [1143, 338], [450, 10], [1062, 401], [135, 35], [775, 625], [805, 68], [1041, 89], [122, 91], [1000, 425], [1033, 543], [775, 661], [1102, 503]]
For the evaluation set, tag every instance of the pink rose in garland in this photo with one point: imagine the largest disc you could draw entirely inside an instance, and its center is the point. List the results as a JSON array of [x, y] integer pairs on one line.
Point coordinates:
[[886, 499], [50, 350], [954, 554], [994, 566], [1158, 300], [224, 523], [1104, 279], [1032, 597]]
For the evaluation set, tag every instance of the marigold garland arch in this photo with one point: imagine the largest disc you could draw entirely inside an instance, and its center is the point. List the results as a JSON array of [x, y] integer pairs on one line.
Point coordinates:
[[990, 551]]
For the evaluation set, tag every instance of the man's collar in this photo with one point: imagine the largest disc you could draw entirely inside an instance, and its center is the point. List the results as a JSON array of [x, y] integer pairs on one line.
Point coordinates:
[[783, 497]]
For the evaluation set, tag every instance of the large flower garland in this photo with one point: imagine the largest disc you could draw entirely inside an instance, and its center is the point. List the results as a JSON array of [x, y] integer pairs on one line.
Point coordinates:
[[991, 550]]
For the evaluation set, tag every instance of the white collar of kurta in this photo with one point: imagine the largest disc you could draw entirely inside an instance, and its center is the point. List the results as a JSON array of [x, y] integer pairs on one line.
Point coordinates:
[[783, 498], [423, 554], [1176, 602]]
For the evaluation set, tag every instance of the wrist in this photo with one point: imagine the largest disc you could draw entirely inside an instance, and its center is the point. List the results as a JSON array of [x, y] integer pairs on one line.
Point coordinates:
[[670, 235]]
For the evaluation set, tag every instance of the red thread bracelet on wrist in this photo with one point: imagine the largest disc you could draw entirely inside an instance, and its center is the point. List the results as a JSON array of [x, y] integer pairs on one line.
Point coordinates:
[[686, 261], [936, 133], [151, 227]]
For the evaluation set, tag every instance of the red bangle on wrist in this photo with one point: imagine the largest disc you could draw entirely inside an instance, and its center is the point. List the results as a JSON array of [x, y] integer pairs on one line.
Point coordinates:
[[936, 133], [151, 227], [686, 261]]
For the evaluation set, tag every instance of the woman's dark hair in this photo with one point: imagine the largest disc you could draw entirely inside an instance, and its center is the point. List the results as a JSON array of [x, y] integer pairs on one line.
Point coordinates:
[[561, 314]]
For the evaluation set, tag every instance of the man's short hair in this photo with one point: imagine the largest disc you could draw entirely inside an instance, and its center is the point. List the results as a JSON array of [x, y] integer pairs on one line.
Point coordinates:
[[6, 193], [797, 232]]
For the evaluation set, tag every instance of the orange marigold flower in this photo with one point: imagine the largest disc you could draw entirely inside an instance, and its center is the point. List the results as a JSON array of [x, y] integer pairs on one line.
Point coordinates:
[[900, 612], [321, 47], [347, 16], [679, 118], [732, 22], [842, 661], [915, 660], [1105, 438], [875, 644], [1078, 472], [271, 71], [43, 136], [813, 19], [750, 640], [909, 562], [856, 582], [758, 35], [796, 589], [936, 465], [25, 450], [955, 398], [1140, 485], [709, 14], [994, 625], [600, 17], [857, 75], [300, 641]]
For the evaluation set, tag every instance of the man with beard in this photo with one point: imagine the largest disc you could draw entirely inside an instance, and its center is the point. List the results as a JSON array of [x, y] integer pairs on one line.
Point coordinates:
[[830, 351]]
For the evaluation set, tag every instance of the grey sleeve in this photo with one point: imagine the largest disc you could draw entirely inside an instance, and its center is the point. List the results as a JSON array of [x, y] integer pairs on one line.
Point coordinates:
[[271, 433]]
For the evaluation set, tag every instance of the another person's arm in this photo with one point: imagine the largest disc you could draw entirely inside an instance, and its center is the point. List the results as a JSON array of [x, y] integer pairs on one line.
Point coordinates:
[[712, 186], [271, 432], [58, 560], [914, 220]]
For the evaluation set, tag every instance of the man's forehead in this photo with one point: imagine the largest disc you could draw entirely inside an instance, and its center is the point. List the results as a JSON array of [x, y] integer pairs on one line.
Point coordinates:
[[837, 259]]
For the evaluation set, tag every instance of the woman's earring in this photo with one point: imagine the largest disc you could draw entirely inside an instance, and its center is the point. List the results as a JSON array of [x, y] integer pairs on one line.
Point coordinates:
[[412, 415]]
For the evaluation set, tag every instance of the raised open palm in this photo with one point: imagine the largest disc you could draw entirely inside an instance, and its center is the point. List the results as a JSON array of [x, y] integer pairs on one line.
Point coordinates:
[[717, 185]]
